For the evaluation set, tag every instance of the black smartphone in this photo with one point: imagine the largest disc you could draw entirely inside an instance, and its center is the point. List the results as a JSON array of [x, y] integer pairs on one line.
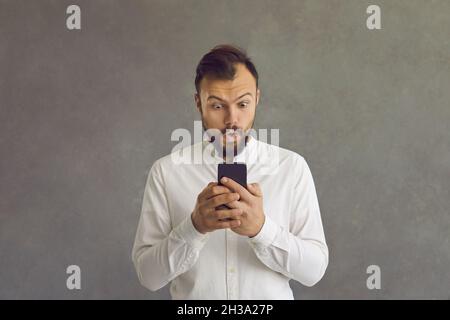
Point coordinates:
[[235, 171]]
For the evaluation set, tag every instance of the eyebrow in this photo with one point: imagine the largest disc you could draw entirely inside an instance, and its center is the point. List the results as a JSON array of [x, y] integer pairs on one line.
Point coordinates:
[[215, 97]]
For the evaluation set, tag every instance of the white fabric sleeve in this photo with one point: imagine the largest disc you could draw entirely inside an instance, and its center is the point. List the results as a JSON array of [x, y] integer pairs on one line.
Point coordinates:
[[300, 253], [160, 252]]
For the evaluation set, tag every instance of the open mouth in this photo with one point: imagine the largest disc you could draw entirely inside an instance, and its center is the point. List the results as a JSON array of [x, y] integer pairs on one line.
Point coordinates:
[[232, 136], [233, 132]]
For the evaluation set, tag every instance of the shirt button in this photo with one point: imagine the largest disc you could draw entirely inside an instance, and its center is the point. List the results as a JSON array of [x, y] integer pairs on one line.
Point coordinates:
[[231, 270]]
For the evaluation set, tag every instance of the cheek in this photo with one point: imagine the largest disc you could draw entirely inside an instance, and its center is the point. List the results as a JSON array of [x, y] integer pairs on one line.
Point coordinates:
[[249, 115], [213, 117]]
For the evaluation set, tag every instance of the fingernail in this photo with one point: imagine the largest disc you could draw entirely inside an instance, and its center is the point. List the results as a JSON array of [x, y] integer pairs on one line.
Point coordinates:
[[224, 179]]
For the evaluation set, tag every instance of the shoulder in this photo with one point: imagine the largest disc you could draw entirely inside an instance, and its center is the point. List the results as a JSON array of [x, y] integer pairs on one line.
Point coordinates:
[[284, 155], [177, 157], [289, 161]]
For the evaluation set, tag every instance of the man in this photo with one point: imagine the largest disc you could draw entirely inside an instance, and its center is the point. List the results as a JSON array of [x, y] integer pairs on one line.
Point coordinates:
[[268, 233]]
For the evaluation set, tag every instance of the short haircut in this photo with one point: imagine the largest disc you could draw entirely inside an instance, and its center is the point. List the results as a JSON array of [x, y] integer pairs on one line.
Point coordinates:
[[219, 63]]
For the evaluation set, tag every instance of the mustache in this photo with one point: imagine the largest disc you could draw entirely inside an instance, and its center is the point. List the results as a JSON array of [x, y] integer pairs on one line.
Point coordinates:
[[223, 132]]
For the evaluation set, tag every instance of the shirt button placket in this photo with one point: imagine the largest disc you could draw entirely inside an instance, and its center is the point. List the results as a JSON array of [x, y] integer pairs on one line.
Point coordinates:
[[231, 267]]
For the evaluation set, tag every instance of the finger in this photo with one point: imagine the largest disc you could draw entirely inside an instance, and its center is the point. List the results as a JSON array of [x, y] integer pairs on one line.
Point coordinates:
[[236, 187], [227, 224], [222, 207], [215, 191], [255, 189], [227, 214], [221, 199], [201, 195], [235, 205]]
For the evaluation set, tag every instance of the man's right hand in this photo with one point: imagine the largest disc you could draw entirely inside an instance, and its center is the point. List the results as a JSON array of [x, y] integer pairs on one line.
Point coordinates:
[[206, 217]]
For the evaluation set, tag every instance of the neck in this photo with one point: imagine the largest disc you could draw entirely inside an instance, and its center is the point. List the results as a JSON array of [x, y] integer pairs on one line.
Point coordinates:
[[229, 158]]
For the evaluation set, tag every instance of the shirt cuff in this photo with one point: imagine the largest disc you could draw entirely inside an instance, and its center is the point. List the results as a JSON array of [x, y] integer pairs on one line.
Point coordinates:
[[267, 234], [186, 231]]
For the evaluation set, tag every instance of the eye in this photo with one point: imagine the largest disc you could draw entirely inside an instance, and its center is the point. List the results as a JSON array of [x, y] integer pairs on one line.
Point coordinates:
[[217, 106], [243, 104]]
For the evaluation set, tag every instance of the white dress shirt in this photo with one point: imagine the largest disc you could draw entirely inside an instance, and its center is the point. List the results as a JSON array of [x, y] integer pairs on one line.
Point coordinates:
[[222, 264]]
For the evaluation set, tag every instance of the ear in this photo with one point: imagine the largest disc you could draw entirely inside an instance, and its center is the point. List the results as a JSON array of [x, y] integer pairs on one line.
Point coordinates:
[[198, 102], [258, 93]]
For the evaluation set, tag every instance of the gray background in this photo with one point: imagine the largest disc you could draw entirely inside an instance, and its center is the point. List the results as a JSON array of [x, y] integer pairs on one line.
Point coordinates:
[[85, 113]]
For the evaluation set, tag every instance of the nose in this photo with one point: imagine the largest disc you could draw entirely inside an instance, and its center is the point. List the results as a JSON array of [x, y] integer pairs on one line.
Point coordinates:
[[232, 117]]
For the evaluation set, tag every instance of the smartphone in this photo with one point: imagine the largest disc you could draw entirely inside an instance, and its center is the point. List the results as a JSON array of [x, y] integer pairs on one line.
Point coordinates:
[[235, 171]]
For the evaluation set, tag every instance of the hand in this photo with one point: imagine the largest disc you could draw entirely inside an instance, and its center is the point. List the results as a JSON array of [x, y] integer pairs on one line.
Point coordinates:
[[251, 204], [206, 217]]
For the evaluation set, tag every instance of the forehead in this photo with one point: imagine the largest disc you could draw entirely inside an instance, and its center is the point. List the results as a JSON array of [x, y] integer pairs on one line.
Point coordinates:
[[243, 81]]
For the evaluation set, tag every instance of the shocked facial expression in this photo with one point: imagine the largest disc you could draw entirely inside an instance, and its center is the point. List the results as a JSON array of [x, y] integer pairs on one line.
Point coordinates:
[[229, 105]]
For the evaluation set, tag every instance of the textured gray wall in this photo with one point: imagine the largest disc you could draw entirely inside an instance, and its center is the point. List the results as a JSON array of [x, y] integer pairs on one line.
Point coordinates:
[[83, 115]]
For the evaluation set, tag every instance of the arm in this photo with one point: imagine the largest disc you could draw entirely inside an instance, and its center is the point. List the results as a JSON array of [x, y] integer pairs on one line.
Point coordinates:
[[300, 253], [161, 253]]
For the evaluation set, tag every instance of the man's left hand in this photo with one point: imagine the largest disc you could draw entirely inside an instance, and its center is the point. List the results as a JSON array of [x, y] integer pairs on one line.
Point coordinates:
[[251, 204]]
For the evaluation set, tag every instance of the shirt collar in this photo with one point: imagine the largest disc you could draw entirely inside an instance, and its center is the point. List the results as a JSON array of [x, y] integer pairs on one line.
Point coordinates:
[[245, 156]]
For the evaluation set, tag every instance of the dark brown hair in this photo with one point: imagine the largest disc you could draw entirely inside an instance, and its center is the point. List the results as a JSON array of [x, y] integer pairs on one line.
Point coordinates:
[[219, 63]]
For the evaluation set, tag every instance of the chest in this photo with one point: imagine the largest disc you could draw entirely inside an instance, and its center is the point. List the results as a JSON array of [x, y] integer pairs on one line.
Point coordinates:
[[184, 185]]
